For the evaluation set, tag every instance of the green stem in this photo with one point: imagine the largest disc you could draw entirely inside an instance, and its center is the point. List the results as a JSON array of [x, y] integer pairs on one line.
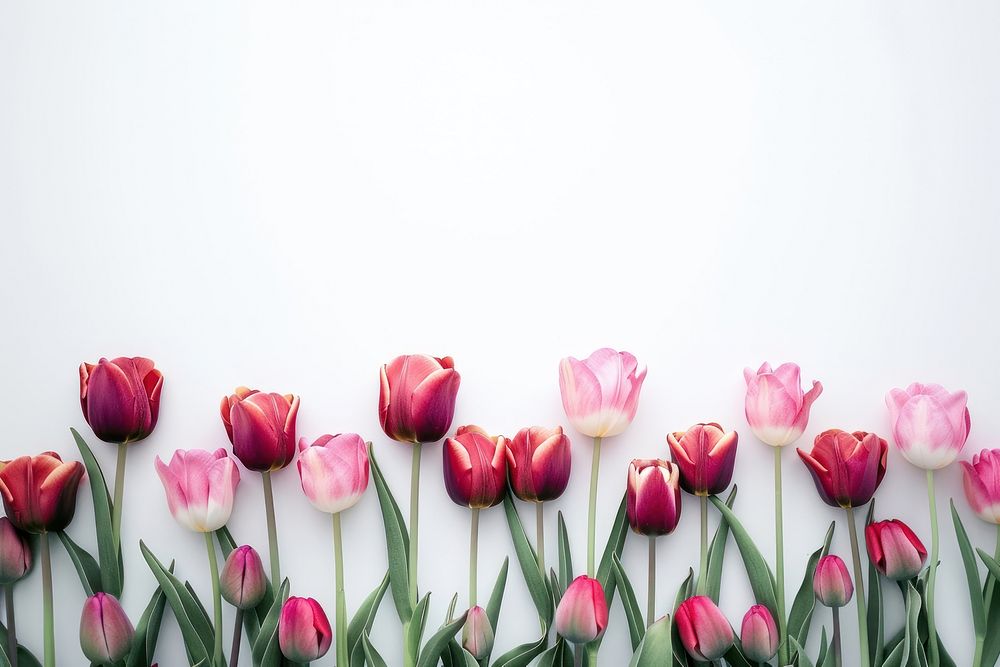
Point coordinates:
[[991, 580], [838, 658], [409, 656], [779, 557], [703, 566], [116, 508], [8, 594], [272, 531], [234, 654], [540, 536], [932, 638], [474, 558], [213, 566], [860, 600], [338, 557], [651, 579], [49, 622], [595, 468]]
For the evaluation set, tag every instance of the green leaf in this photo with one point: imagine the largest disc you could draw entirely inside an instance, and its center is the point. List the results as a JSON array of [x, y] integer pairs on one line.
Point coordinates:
[[613, 549], [565, 557], [560, 655], [361, 623], [397, 541], [198, 640], [803, 659], [147, 632], [522, 655], [717, 552], [538, 587], [439, 640], [86, 566], [266, 651], [656, 648], [415, 630], [971, 575], [371, 655], [636, 626], [24, 657], [876, 623], [760, 577], [496, 596], [108, 553], [802, 607]]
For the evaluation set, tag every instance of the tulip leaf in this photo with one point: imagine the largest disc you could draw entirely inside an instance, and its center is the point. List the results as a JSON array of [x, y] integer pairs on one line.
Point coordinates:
[[266, 651], [801, 612], [991, 649], [683, 593], [86, 566], [496, 596], [613, 549], [414, 631], [565, 557], [109, 554], [734, 657], [24, 657], [147, 631], [361, 624], [397, 541], [556, 587], [522, 655], [431, 653], [194, 635], [876, 623], [761, 580], [560, 655], [656, 648], [636, 627], [971, 575], [538, 587], [717, 552], [802, 660], [371, 655]]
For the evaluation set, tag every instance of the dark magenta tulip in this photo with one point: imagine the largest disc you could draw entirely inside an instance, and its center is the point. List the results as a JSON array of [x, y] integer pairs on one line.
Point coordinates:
[[653, 497], [417, 397], [538, 463], [304, 632], [847, 467], [261, 427], [706, 456], [121, 398], [39, 492], [475, 468]]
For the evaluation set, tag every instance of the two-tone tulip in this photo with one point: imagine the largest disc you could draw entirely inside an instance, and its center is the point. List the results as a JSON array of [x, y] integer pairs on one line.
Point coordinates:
[[242, 581], [477, 635], [39, 492], [929, 424], [846, 467], [653, 497], [582, 614], [106, 633], [705, 456], [334, 471], [538, 463], [475, 468], [304, 632], [600, 394], [981, 479], [121, 398], [832, 582], [261, 427], [894, 549], [703, 629], [15, 553], [200, 487], [776, 407], [417, 397], [759, 634]]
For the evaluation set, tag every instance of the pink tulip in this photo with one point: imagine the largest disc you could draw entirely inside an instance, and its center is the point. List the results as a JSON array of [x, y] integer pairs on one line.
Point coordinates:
[[105, 632], [200, 487], [894, 549], [15, 553], [261, 427], [704, 630], [653, 497], [847, 467], [120, 398], [582, 614], [477, 635], [929, 423], [776, 407], [601, 393], [981, 479], [538, 463], [417, 398], [759, 634], [832, 582], [39, 492], [304, 632], [705, 456], [475, 468], [334, 471], [242, 581]]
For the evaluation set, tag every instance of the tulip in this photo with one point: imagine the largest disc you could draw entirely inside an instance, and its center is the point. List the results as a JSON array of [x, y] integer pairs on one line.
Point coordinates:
[[705, 456], [477, 635], [417, 397], [847, 467], [895, 550], [39, 492], [121, 398], [200, 486], [538, 463], [582, 614], [832, 582], [653, 497], [105, 632], [242, 581], [759, 634], [334, 471], [475, 468], [304, 632], [704, 631], [261, 427], [15, 553], [929, 423], [981, 479]]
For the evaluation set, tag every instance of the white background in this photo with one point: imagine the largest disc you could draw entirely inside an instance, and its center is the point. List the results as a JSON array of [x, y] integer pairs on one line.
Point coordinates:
[[288, 195]]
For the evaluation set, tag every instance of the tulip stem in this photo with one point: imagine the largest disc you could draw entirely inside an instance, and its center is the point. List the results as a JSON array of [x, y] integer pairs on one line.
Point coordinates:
[[651, 579], [859, 584], [932, 638], [991, 580], [414, 521], [8, 594], [49, 622], [779, 557], [116, 508], [838, 658], [272, 530], [703, 567], [338, 557], [595, 468], [540, 535], [234, 657], [213, 565]]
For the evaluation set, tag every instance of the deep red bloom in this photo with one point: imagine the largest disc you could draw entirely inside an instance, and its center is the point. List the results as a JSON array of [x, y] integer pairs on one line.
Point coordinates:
[[847, 467], [475, 467], [538, 463], [703, 629], [416, 401], [894, 549], [653, 497], [120, 398], [261, 427], [706, 456], [39, 492]]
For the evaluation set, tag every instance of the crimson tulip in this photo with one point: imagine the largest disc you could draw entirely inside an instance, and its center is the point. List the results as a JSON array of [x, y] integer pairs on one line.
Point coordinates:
[[538, 463], [832, 582], [705, 456], [304, 632], [582, 614], [39, 492], [121, 398], [847, 467], [475, 468], [417, 397], [703, 629], [894, 549], [261, 427], [653, 496]]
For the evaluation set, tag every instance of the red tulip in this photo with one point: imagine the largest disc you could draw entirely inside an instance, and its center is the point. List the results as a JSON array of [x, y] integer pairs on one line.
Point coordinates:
[[475, 467], [304, 632], [261, 427], [120, 398], [417, 397], [653, 496], [39, 492], [538, 463], [847, 467], [15, 553], [894, 549], [703, 629], [706, 456], [759, 634], [582, 614], [832, 582]]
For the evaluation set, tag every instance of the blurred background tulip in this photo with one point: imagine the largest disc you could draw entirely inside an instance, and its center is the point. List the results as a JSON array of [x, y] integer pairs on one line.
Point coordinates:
[[106, 633], [929, 424], [759, 634], [39, 492], [15, 553], [538, 463], [242, 581], [846, 467], [334, 471], [261, 427], [832, 582], [417, 397], [304, 632], [705, 456], [601, 393], [582, 614], [121, 398], [981, 479], [653, 499], [477, 635], [475, 468], [703, 629], [776, 407], [200, 487], [895, 550]]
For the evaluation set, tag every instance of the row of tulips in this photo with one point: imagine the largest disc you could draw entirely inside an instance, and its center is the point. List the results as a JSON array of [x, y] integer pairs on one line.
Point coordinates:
[[600, 394]]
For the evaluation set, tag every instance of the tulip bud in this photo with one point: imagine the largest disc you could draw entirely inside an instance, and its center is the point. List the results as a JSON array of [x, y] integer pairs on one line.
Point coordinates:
[[416, 401], [981, 479], [600, 394], [105, 631], [704, 630], [475, 468], [846, 467], [39, 492], [582, 614], [477, 635], [261, 427], [120, 398], [929, 424], [15, 553], [705, 456], [894, 549], [242, 580], [304, 632], [334, 471], [832, 582], [759, 634], [653, 497], [538, 463], [776, 407]]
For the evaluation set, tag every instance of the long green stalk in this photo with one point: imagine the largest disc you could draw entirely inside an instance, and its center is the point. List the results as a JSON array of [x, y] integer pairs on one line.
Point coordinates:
[[213, 566], [651, 579], [272, 531], [933, 652], [116, 508], [779, 557], [838, 658], [703, 564], [234, 654], [860, 600], [595, 468], [409, 653], [8, 594], [341, 620], [474, 559], [48, 620], [991, 581], [540, 536]]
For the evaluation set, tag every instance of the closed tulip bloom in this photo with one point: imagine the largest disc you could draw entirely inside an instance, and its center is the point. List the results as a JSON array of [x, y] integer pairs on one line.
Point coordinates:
[[759, 634], [776, 407], [416, 401], [981, 479], [477, 635], [200, 487], [929, 424], [832, 582], [105, 631], [847, 467], [261, 427], [121, 398], [39, 492], [475, 468], [705, 456], [894, 549], [704, 630], [15, 553], [653, 497], [304, 632], [538, 463], [334, 471], [582, 614], [242, 580], [600, 394]]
